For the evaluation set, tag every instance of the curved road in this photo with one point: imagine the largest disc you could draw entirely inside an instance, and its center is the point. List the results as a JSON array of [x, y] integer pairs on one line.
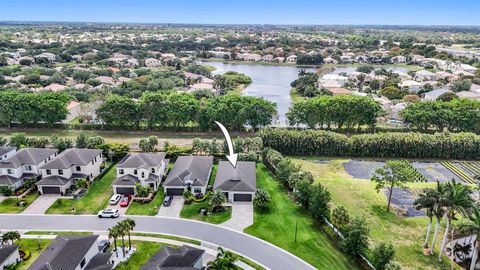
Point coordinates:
[[244, 244]]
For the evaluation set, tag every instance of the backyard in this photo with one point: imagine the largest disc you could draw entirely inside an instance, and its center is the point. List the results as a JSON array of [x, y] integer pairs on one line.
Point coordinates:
[[359, 197], [95, 199], [312, 244]]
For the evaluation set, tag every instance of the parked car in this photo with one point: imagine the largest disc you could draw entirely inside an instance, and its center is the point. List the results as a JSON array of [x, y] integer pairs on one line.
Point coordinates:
[[115, 199], [108, 213], [168, 200], [125, 201], [103, 245]]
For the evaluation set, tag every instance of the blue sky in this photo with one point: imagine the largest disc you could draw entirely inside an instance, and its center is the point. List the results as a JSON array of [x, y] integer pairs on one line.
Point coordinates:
[[425, 12]]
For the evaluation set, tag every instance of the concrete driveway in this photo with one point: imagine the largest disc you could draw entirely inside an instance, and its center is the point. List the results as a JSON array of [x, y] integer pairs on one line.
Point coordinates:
[[41, 204], [173, 210], [242, 216]]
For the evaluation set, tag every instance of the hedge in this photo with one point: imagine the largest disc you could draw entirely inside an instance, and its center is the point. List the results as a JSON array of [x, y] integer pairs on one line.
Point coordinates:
[[443, 145]]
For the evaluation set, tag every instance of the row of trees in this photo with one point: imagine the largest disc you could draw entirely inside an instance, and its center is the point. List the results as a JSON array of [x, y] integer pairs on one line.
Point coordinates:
[[120, 230], [183, 109], [443, 145], [340, 111]]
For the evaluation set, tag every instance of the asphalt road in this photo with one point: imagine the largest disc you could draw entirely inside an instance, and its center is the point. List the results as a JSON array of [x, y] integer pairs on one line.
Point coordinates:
[[249, 246]]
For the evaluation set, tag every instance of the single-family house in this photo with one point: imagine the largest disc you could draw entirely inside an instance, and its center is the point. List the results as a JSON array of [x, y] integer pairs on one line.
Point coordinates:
[[24, 164], [50, 57], [73, 252], [337, 91], [55, 87], [425, 75], [153, 62], [434, 94], [6, 152], [145, 169], [267, 58], [59, 174], [412, 86], [238, 183], [468, 95], [9, 256], [185, 257], [292, 59], [189, 173], [330, 60]]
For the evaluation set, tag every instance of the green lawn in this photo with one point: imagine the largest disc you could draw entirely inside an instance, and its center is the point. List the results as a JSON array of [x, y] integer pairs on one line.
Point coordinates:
[[145, 250], [296, 97], [171, 237], [147, 209], [211, 181], [277, 226], [360, 199], [58, 233], [10, 206], [35, 246], [93, 201], [192, 212]]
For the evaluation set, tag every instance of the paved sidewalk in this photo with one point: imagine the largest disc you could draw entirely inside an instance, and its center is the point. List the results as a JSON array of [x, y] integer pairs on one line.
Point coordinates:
[[242, 216], [41, 204], [173, 210]]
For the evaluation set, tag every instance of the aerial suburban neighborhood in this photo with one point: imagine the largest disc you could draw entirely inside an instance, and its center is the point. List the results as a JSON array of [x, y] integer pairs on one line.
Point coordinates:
[[261, 135]]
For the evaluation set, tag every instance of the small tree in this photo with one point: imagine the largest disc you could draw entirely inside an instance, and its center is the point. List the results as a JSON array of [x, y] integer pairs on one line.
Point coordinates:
[[319, 203], [302, 193], [340, 217], [261, 200], [18, 140], [82, 183], [393, 265], [382, 254], [285, 168], [356, 237], [149, 144], [81, 140], [393, 174], [295, 177]]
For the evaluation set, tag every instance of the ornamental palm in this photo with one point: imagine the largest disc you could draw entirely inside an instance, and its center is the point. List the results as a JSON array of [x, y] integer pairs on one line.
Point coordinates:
[[217, 199], [438, 211], [225, 261], [113, 233], [11, 236], [473, 228], [456, 200], [130, 225], [262, 199], [426, 201]]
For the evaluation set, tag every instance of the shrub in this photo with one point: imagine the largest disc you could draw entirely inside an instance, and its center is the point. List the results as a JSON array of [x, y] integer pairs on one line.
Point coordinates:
[[285, 168], [302, 193], [319, 203], [356, 237], [382, 255], [262, 199]]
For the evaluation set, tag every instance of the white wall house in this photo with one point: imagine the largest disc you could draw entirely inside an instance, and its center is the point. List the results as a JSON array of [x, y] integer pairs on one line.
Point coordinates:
[[143, 168], [6, 152], [189, 173], [153, 62], [59, 174], [9, 256]]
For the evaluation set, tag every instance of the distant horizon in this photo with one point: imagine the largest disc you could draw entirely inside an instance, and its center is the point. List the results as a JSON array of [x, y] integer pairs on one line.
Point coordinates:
[[247, 12]]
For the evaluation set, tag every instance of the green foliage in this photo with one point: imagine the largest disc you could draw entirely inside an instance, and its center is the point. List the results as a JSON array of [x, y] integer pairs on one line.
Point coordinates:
[[393, 92], [119, 111], [18, 140], [382, 255], [142, 191], [340, 217], [231, 80], [462, 85], [309, 59], [319, 203], [306, 84], [296, 177], [356, 237], [365, 69], [217, 199], [303, 192], [225, 261], [148, 145], [261, 200], [61, 143], [285, 168]]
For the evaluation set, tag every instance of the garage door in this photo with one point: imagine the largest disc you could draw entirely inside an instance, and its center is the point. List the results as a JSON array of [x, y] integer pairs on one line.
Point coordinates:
[[242, 197], [125, 190], [51, 190], [175, 191]]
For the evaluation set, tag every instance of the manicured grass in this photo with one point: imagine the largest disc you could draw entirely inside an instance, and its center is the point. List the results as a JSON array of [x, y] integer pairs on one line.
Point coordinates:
[[147, 209], [58, 233], [145, 250], [192, 212], [277, 226], [35, 246], [93, 201], [171, 237], [10, 206], [360, 199], [296, 97], [211, 181]]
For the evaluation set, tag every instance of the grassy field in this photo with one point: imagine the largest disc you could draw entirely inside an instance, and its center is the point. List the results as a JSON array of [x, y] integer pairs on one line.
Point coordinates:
[[35, 246], [296, 97], [93, 201], [9, 205], [277, 226], [145, 250], [360, 199], [147, 209], [192, 212]]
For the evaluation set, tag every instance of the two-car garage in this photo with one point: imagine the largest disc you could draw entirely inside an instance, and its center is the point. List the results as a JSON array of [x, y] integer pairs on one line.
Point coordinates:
[[174, 191], [242, 197], [50, 190], [124, 190]]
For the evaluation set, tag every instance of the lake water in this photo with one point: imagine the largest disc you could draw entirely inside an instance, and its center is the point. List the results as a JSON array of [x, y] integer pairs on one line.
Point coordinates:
[[269, 82]]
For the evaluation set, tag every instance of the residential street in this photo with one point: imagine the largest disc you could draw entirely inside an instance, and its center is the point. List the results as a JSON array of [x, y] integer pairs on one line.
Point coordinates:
[[257, 249]]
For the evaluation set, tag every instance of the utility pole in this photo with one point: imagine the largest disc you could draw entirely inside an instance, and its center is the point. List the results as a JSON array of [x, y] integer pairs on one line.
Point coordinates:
[[296, 231]]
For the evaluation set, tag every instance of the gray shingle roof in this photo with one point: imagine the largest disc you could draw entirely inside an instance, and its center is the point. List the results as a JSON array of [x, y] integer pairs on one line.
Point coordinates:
[[141, 160], [53, 180], [174, 258], [126, 180], [190, 168], [7, 180], [64, 253], [5, 149], [100, 262], [72, 157], [28, 156], [6, 251], [241, 178]]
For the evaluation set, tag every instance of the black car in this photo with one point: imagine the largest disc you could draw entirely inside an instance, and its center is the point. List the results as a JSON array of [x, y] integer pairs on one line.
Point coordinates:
[[168, 200], [103, 245]]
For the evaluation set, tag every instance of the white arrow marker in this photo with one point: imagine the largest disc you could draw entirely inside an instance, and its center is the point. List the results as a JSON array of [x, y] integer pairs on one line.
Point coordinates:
[[231, 156]]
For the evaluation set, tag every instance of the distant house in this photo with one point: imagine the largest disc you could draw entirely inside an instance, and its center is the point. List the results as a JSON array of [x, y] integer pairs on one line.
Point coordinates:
[[73, 111], [55, 87], [6, 152], [153, 62], [24, 164], [292, 59], [139, 168], [337, 91], [59, 174], [185, 257], [434, 94], [412, 86], [73, 252], [9, 256], [189, 173], [399, 59], [425, 75], [267, 58], [239, 184], [330, 60], [50, 57]]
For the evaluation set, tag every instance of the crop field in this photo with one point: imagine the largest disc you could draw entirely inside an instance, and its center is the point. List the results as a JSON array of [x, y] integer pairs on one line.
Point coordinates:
[[434, 171], [362, 169]]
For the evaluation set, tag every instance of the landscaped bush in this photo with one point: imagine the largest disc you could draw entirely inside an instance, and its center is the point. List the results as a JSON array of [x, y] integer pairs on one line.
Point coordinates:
[[25, 254], [443, 145]]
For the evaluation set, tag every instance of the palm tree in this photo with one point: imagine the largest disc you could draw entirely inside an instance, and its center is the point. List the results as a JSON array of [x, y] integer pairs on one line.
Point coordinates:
[[225, 261], [217, 199], [121, 232], [11, 236], [473, 228], [130, 225], [113, 233], [438, 211], [262, 199], [456, 200], [426, 201]]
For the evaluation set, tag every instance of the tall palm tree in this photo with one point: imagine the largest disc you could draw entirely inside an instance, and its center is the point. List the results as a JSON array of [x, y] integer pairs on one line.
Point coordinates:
[[473, 228], [130, 225], [11, 237], [456, 200], [438, 211], [426, 201], [113, 233], [121, 232]]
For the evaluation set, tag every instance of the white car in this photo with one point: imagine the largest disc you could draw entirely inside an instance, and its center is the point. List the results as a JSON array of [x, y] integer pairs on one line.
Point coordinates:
[[115, 199], [108, 213]]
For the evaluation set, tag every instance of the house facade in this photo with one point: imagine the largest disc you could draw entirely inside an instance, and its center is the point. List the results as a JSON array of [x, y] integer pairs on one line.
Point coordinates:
[[189, 173], [59, 174], [6, 152], [145, 169], [9, 256], [239, 184]]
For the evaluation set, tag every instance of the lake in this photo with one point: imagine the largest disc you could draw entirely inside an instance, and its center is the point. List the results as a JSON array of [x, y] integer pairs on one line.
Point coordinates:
[[269, 82]]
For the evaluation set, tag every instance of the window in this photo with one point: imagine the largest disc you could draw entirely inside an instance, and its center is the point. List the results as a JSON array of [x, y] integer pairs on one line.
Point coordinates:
[[197, 190], [49, 172], [60, 172], [93, 162], [9, 171], [82, 263], [28, 168], [121, 171], [153, 170], [135, 172], [143, 174], [78, 168]]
